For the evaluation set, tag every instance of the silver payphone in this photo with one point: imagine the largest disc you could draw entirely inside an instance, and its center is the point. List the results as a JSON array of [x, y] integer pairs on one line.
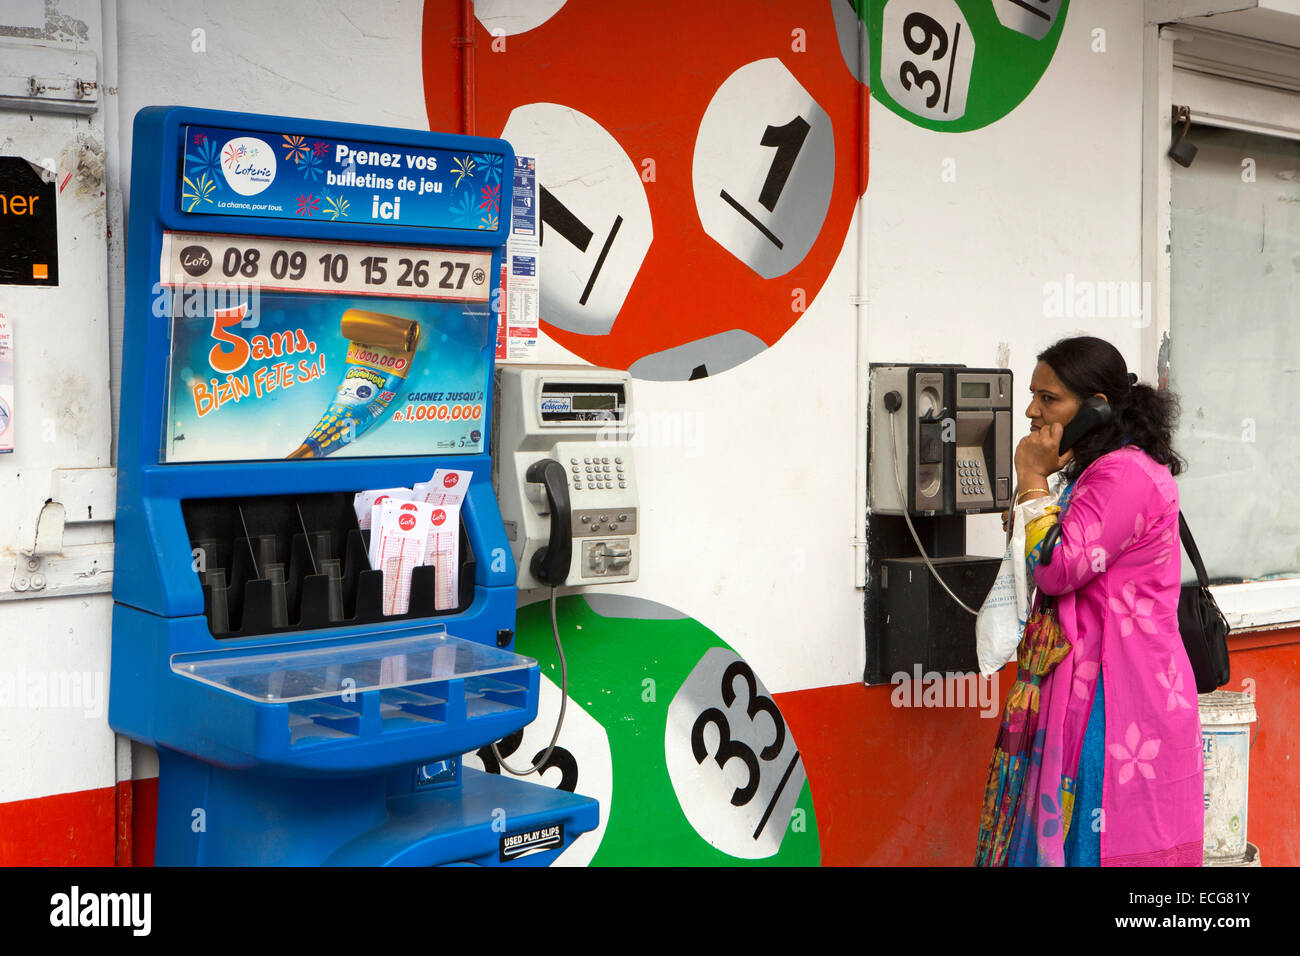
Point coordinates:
[[948, 434], [563, 473]]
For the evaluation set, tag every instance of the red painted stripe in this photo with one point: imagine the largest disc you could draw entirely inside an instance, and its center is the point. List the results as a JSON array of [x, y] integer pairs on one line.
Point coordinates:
[[1254, 640], [902, 786], [891, 785], [125, 811], [68, 829], [144, 822]]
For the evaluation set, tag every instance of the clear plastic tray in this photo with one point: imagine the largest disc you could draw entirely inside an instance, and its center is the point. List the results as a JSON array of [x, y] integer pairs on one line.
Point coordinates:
[[284, 673]]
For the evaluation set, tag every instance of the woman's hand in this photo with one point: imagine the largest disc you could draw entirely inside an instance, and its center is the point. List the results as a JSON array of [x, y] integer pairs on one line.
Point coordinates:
[[1036, 455]]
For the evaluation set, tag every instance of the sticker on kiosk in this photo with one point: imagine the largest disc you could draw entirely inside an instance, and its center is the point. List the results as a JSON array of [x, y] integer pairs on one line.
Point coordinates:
[[286, 175]]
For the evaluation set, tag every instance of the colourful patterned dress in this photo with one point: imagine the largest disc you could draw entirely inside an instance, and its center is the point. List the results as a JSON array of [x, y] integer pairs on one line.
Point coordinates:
[[1113, 584]]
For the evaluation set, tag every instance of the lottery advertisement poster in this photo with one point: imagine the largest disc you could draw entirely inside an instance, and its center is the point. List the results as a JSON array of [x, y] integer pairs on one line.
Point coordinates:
[[326, 350]]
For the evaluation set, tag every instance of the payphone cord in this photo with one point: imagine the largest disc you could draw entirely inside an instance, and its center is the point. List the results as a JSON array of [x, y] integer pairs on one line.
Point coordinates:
[[893, 437], [564, 698]]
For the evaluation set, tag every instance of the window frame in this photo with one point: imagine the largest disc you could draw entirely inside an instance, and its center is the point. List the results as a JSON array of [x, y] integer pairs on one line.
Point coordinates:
[[1235, 83]]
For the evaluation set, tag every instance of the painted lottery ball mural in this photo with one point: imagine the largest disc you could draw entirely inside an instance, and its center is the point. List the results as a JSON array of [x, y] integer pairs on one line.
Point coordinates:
[[958, 65], [674, 734], [698, 166]]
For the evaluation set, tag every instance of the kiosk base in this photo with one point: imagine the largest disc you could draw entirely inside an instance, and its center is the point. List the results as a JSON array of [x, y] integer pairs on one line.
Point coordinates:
[[211, 816]]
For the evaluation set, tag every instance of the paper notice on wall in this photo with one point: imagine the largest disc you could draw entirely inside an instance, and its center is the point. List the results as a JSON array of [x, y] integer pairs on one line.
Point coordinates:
[[6, 385], [401, 530], [445, 493], [518, 325]]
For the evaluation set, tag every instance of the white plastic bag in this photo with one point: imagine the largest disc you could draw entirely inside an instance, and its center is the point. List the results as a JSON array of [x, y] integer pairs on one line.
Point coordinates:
[[1001, 621]]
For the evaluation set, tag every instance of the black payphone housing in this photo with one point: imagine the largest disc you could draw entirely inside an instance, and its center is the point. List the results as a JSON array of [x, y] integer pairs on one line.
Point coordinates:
[[940, 450]]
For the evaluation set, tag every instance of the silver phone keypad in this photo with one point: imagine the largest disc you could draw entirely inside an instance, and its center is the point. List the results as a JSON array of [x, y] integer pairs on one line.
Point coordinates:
[[971, 477]]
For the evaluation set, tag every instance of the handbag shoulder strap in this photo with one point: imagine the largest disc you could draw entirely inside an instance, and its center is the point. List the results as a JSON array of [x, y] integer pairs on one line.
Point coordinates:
[[1185, 534]]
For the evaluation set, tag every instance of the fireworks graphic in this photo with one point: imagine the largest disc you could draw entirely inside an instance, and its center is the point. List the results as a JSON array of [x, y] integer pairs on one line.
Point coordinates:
[[206, 159], [308, 205], [232, 154], [320, 147], [196, 192], [336, 207], [462, 168], [490, 165], [489, 221], [295, 148], [491, 198], [463, 206], [200, 139], [309, 166]]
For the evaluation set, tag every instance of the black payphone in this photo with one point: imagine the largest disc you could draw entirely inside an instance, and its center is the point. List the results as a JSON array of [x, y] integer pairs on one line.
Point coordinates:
[[940, 450]]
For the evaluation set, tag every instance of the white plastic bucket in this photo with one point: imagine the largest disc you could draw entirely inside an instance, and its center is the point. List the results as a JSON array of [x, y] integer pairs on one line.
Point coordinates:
[[1226, 717]]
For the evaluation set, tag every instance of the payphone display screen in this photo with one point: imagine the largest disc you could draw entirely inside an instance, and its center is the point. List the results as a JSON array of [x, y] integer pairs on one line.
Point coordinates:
[[585, 402], [293, 348]]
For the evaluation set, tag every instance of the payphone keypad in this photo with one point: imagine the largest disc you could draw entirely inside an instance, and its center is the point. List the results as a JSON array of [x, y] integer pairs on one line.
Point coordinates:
[[971, 476], [598, 473]]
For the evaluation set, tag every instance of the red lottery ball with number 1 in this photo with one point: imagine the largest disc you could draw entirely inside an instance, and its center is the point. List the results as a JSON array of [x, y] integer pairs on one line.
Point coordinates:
[[698, 165]]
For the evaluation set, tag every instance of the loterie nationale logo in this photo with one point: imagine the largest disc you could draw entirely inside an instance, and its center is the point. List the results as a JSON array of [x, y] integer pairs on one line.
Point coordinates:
[[248, 164]]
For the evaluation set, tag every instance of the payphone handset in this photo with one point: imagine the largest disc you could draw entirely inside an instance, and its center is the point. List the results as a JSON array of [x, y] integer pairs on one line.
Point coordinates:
[[948, 429], [1092, 414], [563, 473]]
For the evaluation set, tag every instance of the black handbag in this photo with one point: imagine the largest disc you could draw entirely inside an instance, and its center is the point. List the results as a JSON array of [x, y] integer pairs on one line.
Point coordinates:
[[1202, 624]]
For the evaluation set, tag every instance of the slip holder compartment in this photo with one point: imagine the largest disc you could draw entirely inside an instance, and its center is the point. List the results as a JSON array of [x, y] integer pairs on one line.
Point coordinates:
[[299, 562]]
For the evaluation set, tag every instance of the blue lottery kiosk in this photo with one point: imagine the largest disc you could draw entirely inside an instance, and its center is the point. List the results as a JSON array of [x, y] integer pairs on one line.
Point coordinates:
[[309, 314]]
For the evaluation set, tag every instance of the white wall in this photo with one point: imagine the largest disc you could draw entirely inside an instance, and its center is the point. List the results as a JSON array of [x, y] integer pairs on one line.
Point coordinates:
[[956, 270], [54, 734]]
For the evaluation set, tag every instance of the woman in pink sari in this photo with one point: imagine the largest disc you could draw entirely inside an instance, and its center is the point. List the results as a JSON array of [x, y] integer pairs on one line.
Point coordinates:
[[1098, 759]]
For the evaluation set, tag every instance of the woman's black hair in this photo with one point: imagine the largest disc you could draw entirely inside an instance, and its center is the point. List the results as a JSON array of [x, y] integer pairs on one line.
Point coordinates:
[[1142, 416]]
